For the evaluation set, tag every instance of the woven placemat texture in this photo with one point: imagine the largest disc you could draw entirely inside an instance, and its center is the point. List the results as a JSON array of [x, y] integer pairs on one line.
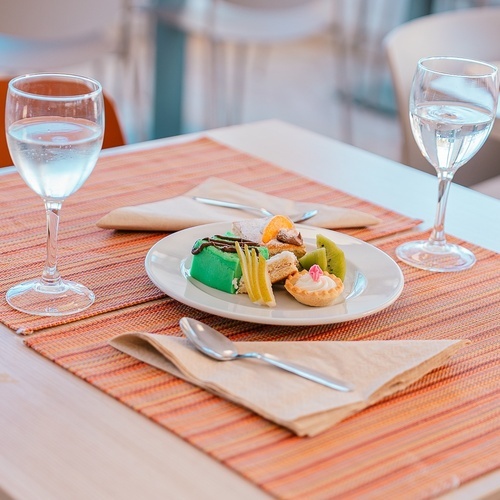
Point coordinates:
[[111, 263], [434, 436]]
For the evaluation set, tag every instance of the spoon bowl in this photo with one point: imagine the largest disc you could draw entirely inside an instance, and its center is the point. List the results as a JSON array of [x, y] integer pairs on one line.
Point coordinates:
[[216, 345], [207, 340]]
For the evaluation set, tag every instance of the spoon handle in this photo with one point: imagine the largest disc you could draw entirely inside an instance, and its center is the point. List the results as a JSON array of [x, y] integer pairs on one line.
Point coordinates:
[[302, 371]]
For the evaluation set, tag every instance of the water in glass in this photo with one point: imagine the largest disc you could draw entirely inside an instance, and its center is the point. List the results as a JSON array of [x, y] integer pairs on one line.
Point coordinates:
[[453, 102], [55, 126]]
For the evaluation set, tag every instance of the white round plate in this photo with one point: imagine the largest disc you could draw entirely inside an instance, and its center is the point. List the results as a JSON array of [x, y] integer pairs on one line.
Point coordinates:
[[373, 281]]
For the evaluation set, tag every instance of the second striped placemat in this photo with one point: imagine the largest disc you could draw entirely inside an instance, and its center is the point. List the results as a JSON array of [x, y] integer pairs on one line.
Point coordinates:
[[437, 434]]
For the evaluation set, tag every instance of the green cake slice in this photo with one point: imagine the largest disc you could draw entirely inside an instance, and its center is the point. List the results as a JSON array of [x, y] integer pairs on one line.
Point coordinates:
[[216, 264]]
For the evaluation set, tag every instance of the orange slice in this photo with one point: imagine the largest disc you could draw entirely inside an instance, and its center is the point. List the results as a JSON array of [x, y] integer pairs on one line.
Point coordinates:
[[272, 228]]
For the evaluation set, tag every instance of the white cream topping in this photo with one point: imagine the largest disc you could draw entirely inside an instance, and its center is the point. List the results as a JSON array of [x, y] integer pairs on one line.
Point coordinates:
[[307, 283]]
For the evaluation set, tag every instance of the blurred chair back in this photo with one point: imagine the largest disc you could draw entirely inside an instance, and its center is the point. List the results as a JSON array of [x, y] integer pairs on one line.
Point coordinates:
[[268, 4], [231, 28], [114, 135], [472, 33], [113, 132], [45, 35]]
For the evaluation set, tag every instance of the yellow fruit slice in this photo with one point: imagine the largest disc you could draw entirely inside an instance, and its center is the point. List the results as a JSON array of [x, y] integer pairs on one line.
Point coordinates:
[[265, 285], [255, 276], [245, 270], [273, 226], [254, 266]]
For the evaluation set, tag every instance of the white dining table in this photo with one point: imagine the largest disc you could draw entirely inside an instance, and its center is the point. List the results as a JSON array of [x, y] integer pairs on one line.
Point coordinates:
[[62, 438]]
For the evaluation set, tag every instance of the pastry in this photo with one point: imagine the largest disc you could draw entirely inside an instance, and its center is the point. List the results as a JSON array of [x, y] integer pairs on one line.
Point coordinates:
[[277, 233], [279, 267], [314, 287], [216, 264]]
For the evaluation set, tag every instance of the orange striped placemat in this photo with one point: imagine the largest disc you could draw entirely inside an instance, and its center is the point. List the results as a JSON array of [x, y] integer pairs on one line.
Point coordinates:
[[436, 435], [112, 263]]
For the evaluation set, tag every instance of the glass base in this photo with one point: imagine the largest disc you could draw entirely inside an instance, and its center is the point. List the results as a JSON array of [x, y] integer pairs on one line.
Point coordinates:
[[63, 298], [438, 258]]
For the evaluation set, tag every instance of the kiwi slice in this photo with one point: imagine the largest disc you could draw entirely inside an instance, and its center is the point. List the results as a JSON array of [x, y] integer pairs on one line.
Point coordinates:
[[334, 256], [317, 256]]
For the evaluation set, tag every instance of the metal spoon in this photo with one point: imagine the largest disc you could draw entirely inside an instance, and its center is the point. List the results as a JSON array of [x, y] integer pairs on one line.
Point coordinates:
[[257, 210], [217, 346]]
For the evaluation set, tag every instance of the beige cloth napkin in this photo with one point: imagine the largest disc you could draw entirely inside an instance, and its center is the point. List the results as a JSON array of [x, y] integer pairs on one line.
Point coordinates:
[[375, 368], [181, 212]]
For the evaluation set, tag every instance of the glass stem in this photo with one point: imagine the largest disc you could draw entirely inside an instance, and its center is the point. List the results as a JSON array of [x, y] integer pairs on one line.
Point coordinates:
[[438, 237], [50, 275]]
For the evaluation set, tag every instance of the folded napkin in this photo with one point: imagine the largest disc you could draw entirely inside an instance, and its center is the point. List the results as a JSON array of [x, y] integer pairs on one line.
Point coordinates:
[[181, 212], [375, 368]]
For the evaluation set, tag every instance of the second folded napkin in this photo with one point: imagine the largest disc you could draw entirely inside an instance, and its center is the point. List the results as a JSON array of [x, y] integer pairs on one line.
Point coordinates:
[[181, 212], [377, 369]]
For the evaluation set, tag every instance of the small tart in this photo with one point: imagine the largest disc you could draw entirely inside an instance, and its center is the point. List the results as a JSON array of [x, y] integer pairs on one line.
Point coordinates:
[[314, 293]]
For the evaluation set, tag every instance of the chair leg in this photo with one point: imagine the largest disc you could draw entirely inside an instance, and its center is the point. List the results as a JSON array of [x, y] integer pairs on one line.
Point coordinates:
[[211, 84], [224, 80], [237, 99], [343, 72]]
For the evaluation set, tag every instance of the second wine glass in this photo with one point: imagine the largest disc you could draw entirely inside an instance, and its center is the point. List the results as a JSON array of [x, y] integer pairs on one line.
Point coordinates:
[[55, 125], [453, 103]]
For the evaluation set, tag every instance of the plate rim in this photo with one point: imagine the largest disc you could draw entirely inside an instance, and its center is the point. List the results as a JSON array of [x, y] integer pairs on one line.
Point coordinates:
[[268, 320]]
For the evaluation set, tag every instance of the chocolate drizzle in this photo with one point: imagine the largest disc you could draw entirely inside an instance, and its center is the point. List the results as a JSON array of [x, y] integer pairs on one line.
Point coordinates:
[[223, 243]]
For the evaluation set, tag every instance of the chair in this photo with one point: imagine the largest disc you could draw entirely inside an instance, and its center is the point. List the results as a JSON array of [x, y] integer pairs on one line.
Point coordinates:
[[41, 36], [57, 35], [232, 27], [113, 132], [471, 33], [490, 187]]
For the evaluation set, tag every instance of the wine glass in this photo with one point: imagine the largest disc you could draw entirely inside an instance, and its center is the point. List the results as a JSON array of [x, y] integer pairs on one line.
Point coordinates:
[[453, 103], [55, 126]]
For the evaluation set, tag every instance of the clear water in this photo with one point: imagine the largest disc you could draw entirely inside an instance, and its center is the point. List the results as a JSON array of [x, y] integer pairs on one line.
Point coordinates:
[[54, 155], [448, 134]]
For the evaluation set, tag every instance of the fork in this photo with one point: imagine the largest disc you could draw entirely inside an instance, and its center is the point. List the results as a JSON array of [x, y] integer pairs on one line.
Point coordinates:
[[258, 210]]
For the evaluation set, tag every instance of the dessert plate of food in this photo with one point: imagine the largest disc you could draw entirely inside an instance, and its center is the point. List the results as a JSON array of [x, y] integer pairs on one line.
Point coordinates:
[[260, 272]]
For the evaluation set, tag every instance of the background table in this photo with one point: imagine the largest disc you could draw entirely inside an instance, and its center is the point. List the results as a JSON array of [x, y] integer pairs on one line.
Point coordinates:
[[61, 438]]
